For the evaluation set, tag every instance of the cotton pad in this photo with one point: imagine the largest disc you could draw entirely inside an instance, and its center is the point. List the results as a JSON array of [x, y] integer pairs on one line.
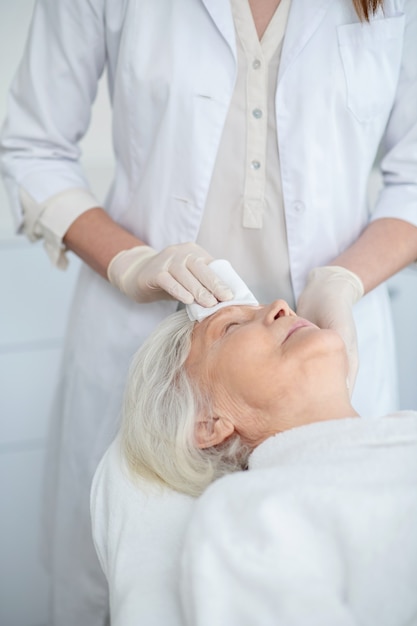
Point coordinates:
[[242, 295]]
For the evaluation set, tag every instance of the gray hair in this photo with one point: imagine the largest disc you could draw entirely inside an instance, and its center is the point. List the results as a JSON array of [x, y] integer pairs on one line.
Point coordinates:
[[160, 408]]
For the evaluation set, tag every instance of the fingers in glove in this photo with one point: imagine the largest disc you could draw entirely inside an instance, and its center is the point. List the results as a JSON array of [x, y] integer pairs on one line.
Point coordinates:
[[353, 362], [209, 279], [183, 276], [186, 293]]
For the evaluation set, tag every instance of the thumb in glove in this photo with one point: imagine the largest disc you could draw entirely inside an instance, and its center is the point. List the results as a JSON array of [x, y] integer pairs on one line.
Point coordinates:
[[327, 300]]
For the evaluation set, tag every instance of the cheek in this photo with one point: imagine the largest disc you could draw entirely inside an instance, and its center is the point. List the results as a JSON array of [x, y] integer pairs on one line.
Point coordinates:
[[247, 360], [253, 377], [232, 371], [233, 353], [309, 355]]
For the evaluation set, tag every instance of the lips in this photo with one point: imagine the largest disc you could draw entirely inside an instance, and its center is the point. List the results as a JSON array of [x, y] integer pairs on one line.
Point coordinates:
[[296, 326]]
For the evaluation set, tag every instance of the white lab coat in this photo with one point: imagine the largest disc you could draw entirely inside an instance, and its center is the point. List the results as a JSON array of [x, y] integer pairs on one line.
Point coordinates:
[[171, 70]]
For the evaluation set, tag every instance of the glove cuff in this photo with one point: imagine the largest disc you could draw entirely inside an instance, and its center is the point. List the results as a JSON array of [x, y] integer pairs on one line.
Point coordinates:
[[124, 267]]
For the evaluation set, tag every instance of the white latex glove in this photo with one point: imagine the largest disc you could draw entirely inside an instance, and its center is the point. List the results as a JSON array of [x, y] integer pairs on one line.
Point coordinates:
[[327, 300], [178, 272]]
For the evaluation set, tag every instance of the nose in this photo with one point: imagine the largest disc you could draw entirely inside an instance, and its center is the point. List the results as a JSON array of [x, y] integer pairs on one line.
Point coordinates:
[[277, 309]]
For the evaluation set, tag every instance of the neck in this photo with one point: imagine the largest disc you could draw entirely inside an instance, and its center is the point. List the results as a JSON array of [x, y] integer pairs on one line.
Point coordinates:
[[262, 13], [328, 403], [331, 406], [313, 405], [326, 395]]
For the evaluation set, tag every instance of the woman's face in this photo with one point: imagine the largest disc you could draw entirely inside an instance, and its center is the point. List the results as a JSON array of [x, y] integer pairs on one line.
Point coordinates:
[[259, 364]]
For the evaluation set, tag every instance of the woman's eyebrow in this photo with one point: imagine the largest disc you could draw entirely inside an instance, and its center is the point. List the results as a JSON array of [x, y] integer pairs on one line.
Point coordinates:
[[218, 317]]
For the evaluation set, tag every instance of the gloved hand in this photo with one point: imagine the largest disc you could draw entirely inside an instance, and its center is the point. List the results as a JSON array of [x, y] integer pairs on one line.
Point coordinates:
[[327, 301], [178, 272]]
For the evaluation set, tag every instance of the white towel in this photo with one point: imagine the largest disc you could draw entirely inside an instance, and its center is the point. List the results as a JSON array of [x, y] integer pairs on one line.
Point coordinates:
[[241, 293]]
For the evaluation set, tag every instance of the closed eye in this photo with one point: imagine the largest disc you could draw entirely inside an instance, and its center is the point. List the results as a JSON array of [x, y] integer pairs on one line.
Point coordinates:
[[229, 326]]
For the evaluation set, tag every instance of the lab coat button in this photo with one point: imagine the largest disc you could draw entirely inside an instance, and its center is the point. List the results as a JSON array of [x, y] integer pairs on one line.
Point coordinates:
[[256, 64], [299, 207], [255, 165], [257, 113]]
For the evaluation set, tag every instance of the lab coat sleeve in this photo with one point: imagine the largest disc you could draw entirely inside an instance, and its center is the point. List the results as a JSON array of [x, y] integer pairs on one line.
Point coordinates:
[[265, 564], [398, 197], [49, 110]]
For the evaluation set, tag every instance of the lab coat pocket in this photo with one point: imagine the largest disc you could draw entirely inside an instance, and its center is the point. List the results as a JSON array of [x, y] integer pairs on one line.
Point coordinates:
[[371, 58]]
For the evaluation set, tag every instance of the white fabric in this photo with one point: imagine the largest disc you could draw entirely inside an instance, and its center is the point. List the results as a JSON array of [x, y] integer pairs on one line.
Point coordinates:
[[50, 220], [138, 533], [241, 294], [343, 89], [245, 200], [321, 531]]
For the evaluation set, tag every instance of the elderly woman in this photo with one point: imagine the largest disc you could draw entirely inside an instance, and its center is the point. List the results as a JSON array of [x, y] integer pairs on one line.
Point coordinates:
[[321, 530], [204, 397]]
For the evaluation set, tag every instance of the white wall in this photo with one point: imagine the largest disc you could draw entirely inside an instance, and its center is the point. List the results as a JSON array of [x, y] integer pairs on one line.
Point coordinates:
[[34, 300]]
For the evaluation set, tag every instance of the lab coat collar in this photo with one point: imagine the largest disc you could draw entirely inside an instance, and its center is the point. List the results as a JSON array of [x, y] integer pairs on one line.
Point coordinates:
[[221, 14], [304, 18]]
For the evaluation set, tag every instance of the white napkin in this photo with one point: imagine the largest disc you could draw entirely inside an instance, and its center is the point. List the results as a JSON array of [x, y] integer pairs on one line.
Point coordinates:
[[241, 292]]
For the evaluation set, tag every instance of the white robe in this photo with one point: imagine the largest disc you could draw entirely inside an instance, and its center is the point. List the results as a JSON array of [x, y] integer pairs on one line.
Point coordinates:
[[322, 531], [138, 532]]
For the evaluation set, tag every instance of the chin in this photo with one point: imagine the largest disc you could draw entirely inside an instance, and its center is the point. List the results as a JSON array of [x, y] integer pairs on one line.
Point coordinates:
[[334, 340], [325, 341]]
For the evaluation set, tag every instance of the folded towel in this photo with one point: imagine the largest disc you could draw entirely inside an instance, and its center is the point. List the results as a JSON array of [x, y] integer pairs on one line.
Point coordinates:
[[242, 294]]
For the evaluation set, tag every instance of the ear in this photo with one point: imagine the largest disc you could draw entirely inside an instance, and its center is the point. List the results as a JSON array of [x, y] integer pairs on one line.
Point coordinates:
[[212, 431]]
